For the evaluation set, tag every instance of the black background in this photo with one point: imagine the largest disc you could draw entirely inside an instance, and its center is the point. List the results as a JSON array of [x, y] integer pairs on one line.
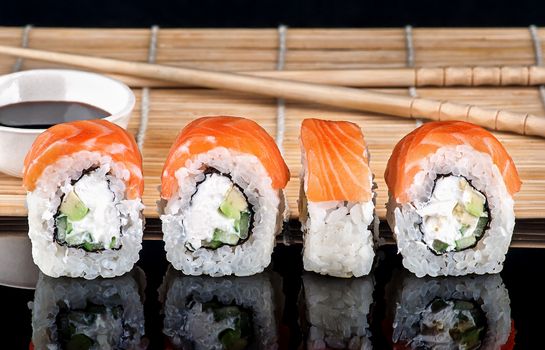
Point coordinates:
[[522, 269], [270, 13]]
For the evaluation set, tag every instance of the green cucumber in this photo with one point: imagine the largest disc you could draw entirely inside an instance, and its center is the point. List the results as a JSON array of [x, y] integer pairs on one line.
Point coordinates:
[[439, 246], [224, 237], [233, 204], [463, 305], [91, 247], [475, 206], [465, 242], [481, 226], [243, 225], [73, 207], [472, 338], [64, 227], [231, 340], [112, 243]]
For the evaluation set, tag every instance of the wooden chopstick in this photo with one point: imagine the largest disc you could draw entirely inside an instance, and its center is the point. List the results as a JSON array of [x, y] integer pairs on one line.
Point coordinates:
[[394, 77], [363, 100]]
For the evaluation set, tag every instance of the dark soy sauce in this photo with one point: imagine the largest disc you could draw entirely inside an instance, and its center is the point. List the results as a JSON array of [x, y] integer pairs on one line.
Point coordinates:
[[44, 114]]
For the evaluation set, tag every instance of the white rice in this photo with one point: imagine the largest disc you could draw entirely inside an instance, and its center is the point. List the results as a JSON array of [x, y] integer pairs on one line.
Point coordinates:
[[489, 253], [125, 291], [338, 236], [415, 295], [338, 312], [269, 212], [57, 260], [184, 325]]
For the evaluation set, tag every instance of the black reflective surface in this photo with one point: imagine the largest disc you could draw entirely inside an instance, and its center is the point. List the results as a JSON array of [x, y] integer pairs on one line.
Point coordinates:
[[293, 309]]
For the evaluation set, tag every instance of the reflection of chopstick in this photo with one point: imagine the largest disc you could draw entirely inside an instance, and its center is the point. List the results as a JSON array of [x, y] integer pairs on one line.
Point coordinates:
[[396, 77], [363, 100]]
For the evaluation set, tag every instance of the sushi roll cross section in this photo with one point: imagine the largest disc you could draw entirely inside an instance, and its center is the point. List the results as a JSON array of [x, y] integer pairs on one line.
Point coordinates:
[[84, 185], [223, 199], [101, 314], [451, 208], [336, 204], [224, 313], [466, 312], [221, 204]]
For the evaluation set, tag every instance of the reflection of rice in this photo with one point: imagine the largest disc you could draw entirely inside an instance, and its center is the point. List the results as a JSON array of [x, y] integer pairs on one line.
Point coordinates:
[[467, 298], [202, 310], [102, 313], [338, 310]]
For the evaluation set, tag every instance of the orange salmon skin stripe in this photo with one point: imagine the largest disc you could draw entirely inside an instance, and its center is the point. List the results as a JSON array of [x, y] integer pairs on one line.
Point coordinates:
[[234, 133], [85, 135], [406, 159]]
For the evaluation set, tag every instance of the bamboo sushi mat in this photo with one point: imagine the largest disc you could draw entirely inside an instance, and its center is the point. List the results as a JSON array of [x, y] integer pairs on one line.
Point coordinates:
[[167, 109]]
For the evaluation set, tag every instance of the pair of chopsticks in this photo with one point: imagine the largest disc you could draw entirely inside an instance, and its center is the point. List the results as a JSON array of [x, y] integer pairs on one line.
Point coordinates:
[[338, 96]]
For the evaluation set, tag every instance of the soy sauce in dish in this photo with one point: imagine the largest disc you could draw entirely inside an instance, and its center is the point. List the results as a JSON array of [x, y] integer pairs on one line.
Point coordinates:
[[44, 114]]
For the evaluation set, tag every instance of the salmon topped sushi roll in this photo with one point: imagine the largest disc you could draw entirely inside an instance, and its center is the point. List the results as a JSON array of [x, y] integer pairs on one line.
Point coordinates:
[[336, 205], [223, 197], [451, 208], [84, 186]]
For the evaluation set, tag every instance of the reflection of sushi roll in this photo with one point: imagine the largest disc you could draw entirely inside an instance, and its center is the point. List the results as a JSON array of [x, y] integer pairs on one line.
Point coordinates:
[[336, 204], [451, 187], [81, 314], [451, 313], [337, 311], [84, 183], [223, 197], [219, 313]]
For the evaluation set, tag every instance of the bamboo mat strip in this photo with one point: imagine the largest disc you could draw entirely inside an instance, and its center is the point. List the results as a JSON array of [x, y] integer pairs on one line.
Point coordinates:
[[257, 49]]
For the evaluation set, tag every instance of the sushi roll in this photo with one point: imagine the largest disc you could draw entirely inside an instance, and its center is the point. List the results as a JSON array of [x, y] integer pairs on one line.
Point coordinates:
[[84, 186], [336, 204], [451, 208], [223, 202], [227, 313], [470, 312], [74, 313], [338, 312]]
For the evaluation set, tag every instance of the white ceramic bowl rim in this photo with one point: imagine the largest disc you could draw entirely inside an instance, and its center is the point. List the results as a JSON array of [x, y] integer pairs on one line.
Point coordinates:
[[114, 115]]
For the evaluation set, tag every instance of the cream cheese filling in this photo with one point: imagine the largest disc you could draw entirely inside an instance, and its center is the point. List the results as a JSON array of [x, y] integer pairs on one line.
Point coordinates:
[[451, 218]]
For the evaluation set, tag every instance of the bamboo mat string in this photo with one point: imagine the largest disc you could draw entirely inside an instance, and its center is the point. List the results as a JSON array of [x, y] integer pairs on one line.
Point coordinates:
[[281, 108], [539, 56], [24, 43], [280, 103], [409, 45], [144, 107]]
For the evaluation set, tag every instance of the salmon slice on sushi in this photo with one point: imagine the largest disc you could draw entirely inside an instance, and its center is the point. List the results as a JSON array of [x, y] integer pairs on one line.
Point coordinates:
[[223, 200], [451, 207], [336, 205], [84, 186]]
